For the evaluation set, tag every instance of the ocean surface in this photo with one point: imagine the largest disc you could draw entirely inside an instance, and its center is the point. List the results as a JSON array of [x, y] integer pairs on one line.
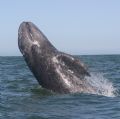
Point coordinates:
[[21, 97]]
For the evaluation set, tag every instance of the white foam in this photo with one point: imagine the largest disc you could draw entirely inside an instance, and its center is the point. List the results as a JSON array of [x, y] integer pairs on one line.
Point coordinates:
[[99, 85]]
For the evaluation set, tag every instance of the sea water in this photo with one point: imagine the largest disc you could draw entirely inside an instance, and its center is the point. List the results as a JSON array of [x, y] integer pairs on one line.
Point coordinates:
[[21, 97]]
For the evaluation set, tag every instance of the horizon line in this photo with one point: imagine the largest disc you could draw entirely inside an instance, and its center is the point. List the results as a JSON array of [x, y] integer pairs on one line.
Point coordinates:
[[70, 54]]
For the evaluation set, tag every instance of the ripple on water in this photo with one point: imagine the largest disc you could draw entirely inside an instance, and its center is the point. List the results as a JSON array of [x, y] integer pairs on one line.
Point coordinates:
[[22, 98]]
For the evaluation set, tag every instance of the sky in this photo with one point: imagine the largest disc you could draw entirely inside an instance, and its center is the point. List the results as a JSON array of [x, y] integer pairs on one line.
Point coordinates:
[[80, 27]]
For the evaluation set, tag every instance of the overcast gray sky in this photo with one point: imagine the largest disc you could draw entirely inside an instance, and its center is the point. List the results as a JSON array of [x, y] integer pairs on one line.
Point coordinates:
[[73, 26]]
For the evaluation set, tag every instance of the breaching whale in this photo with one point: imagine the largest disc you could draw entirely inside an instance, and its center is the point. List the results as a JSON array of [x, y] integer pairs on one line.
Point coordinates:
[[54, 70]]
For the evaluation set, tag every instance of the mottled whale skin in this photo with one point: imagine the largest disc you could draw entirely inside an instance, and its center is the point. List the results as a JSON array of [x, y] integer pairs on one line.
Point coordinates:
[[54, 70]]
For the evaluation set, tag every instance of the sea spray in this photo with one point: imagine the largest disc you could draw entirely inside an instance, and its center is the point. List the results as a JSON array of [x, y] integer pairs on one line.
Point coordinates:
[[98, 84]]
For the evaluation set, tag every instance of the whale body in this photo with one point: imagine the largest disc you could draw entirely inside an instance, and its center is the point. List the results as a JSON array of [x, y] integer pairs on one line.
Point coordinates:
[[54, 70]]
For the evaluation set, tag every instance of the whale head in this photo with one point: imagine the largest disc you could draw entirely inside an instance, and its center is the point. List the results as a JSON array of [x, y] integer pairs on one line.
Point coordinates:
[[30, 38]]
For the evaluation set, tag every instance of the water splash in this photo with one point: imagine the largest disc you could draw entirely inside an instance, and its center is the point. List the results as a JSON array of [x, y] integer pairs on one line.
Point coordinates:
[[100, 85]]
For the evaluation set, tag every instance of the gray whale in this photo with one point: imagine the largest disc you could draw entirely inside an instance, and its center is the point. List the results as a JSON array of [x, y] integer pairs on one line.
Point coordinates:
[[54, 70]]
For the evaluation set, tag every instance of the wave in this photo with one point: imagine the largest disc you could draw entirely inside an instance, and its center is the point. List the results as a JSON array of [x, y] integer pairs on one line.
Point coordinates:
[[100, 85]]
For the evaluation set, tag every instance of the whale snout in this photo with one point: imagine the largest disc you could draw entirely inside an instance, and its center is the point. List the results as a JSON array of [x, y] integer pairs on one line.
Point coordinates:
[[28, 36], [29, 32]]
